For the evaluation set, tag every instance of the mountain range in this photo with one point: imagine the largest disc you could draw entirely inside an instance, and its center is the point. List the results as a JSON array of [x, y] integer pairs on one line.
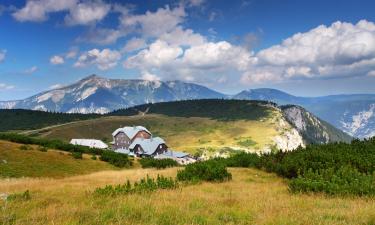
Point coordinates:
[[354, 114]]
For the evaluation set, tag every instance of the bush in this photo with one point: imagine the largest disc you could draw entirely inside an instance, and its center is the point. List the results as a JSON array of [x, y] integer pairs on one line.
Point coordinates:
[[344, 181], [25, 147], [157, 163], [20, 196], [77, 155], [211, 170], [144, 185], [93, 157], [42, 149], [117, 159]]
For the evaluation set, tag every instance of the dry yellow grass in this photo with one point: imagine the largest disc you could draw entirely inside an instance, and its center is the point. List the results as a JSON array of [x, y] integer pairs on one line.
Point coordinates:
[[184, 134], [252, 197]]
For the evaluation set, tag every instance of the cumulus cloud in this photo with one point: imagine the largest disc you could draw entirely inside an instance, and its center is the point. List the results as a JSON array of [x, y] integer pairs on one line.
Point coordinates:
[[200, 62], [79, 12], [154, 24], [342, 49], [134, 44], [56, 60], [104, 59], [179, 36], [158, 55], [149, 76], [87, 12], [2, 55], [38, 10], [6, 87], [31, 70]]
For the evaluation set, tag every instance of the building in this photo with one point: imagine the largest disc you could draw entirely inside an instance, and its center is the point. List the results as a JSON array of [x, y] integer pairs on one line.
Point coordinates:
[[92, 143], [138, 141], [123, 137]]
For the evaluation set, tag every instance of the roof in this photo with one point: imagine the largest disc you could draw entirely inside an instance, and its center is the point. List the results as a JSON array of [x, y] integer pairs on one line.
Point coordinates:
[[92, 143], [149, 146], [130, 131], [172, 154]]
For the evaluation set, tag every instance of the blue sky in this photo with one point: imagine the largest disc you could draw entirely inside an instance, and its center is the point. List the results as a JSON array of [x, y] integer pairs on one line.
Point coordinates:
[[307, 48]]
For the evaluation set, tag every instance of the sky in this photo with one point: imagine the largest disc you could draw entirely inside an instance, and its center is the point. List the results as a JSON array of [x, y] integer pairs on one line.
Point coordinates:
[[306, 48]]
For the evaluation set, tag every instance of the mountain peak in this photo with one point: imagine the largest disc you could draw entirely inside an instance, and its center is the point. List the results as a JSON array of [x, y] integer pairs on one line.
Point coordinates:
[[92, 77]]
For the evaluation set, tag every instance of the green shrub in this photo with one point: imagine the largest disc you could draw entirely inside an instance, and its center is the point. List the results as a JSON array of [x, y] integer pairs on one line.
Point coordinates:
[[77, 155], [42, 149], [93, 157], [157, 163], [211, 170], [20, 196], [25, 147], [143, 185], [116, 159], [344, 181]]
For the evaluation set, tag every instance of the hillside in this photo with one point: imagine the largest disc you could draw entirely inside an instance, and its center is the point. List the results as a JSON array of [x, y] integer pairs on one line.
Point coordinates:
[[15, 162], [206, 125], [251, 197], [21, 119], [354, 114]]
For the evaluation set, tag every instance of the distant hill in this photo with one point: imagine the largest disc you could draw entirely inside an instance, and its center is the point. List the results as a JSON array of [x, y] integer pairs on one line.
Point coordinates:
[[20, 119]]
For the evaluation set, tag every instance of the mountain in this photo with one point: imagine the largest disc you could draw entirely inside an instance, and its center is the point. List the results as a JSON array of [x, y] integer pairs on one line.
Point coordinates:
[[95, 94], [354, 114]]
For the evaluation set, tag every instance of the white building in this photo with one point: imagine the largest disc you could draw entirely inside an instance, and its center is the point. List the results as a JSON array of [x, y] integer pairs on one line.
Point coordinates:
[[92, 143]]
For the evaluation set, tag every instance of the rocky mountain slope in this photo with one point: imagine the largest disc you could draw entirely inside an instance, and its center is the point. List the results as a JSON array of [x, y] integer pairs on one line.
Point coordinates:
[[94, 94], [354, 114]]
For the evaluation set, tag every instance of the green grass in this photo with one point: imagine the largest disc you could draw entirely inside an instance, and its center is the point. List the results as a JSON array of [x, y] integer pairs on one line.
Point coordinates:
[[180, 133], [35, 163]]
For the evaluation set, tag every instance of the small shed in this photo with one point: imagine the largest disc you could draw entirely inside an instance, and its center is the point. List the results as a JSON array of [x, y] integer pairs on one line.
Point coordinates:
[[92, 143]]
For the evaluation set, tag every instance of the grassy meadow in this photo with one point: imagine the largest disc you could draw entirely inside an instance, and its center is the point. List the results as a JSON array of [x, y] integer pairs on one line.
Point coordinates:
[[15, 162], [180, 133], [252, 197]]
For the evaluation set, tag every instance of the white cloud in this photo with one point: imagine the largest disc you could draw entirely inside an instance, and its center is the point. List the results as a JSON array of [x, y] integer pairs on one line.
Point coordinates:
[[87, 12], [197, 63], [196, 2], [72, 53], [179, 36], [31, 70], [149, 76], [371, 73], [339, 50], [134, 44], [38, 10], [79, 12], [2, 55], [6, 87], [217, 55], [104, 59], [154, 24], [159, 54], [56, 60]]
